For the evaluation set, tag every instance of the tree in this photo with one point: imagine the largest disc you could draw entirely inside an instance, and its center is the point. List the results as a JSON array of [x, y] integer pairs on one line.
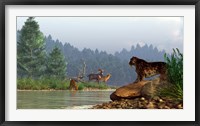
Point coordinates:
[[56, 65], [117, 64], [30, 50]]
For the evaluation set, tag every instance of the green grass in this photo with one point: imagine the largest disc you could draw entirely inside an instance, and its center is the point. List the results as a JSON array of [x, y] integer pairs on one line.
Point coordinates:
[[55, 84], [175, 76], [81, 86], [42, 84], [93, 85]]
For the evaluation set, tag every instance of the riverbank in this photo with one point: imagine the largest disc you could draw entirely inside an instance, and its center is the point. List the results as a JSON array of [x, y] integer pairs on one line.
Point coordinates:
[[86, 89], [57, 84], [141, 103]]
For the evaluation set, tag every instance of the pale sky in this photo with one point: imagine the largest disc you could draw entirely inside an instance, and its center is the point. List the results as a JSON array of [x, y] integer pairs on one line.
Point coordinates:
[[112, 34]]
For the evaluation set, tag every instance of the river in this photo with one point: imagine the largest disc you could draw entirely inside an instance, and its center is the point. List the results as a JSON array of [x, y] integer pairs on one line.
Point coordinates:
[[61, 99]]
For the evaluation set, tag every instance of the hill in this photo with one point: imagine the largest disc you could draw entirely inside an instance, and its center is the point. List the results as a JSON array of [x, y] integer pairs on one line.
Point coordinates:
[[88, 61]]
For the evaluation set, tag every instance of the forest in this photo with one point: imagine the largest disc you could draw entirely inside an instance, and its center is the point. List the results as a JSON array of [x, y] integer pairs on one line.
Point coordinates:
[[47, 64], [115, 64], [54, 58]]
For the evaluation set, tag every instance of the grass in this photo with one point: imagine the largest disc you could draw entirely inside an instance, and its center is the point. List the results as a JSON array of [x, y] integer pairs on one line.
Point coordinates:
[[42, 84], [93, 85], [175, 76], [55, 84]]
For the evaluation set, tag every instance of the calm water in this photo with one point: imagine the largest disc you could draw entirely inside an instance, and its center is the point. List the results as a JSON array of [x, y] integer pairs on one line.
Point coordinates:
[[60, 99]]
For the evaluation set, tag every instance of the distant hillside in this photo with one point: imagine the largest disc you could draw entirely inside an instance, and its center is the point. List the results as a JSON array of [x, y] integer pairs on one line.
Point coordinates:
[[146, 52], [116, 64]]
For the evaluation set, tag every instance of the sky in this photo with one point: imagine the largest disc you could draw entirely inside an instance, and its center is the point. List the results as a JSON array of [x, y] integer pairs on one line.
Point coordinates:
[[112, 34]]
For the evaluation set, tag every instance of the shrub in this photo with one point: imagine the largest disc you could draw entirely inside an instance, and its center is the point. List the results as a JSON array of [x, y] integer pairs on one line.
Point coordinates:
[[175, 76], [175, 68]]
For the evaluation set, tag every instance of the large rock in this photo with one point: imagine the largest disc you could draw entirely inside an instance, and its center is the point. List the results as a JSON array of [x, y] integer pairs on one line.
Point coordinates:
[[146, 88], [149, 90], [113, 96]]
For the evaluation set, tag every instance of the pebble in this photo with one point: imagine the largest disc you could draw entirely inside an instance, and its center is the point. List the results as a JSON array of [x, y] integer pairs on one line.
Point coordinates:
[[142, 98], [150, 105], [156, 98], [180, 106], [166, 107], [160, 100], [140, 103]]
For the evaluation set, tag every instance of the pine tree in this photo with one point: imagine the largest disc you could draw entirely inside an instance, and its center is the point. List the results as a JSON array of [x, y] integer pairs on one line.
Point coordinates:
[[30, 50], [56, 65]]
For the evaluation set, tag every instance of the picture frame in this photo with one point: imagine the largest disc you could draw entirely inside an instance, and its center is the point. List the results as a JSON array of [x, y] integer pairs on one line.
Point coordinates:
[[4, 3]]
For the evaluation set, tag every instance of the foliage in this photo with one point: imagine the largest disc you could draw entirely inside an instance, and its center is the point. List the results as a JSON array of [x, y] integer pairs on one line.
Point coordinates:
[[30, 50], [115, 64], [81, 86], [55, 84], [92, 85], [42, 84], [172, 91], [175, 68], [56, 65], [175, 75]]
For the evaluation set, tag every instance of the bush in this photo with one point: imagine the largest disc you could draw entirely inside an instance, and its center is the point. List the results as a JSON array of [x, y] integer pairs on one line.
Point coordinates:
[[175, 68], [175, 76]]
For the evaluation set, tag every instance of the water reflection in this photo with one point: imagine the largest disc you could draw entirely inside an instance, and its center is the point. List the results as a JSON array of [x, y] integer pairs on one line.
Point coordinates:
[[60, 99], [73, 93]]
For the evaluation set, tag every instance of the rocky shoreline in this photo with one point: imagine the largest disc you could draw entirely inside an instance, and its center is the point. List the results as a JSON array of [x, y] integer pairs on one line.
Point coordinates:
[[141, 103], [141, 95]]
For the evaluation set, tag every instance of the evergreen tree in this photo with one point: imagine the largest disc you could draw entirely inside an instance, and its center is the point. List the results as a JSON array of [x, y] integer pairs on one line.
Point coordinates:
[[56, 65], [117, 64], [30, 50]]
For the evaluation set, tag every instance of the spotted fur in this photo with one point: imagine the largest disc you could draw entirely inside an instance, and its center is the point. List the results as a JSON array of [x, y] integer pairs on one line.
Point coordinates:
[[146, 69]]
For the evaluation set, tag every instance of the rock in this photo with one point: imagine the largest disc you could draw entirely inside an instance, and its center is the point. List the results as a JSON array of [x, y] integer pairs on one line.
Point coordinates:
[[161, 105], [140, 105], [118, 106], [150, 105], [170, 104], [166, 107], [132, 90], [160, 100], [137, 103], [114, 97], [146, 88], [142, 98], [140, 95], [156, 98], [179, 106], [149, 90]]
